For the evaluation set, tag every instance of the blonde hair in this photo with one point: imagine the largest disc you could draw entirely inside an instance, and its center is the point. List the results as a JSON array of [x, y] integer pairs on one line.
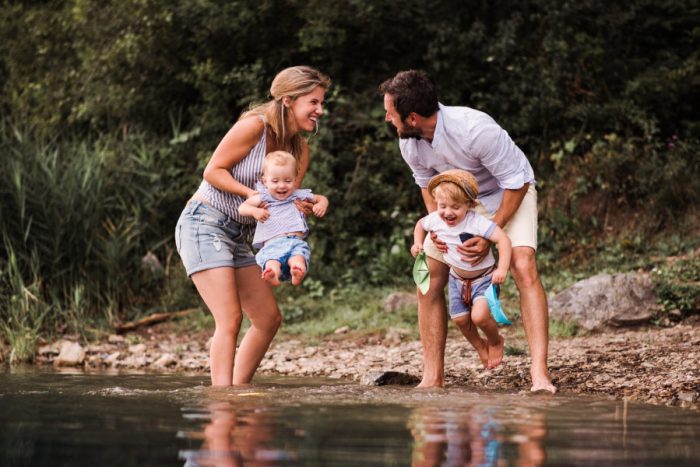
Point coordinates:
[[291, 82], [458, 185], [280, 158]]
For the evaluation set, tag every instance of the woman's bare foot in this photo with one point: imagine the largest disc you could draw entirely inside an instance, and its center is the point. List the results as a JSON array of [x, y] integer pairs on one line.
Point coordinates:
[[297, 273], [269, 275], [543, 384], [496, 353]]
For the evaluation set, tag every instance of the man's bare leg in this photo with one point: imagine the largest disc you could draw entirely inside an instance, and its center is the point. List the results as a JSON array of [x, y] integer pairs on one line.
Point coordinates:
[[535, 313], [432, 325]]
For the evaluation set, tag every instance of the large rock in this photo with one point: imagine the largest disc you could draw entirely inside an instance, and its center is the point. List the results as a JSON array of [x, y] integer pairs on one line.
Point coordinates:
[[606, 301], [71, 354]]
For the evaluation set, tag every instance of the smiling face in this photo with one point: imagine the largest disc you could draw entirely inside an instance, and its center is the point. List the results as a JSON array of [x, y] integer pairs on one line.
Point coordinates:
[[392, 116], [452, 211], [307, 109], [279, 179]]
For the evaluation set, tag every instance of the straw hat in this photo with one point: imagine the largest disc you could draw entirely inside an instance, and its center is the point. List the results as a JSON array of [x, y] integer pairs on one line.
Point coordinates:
[[461, 178]]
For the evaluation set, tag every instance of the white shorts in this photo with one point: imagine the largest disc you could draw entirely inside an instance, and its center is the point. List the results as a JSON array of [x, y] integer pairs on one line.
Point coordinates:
[[521, 229]]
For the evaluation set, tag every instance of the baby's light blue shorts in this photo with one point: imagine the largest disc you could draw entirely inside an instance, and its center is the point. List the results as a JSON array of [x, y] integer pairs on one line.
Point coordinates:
[[281, 249]]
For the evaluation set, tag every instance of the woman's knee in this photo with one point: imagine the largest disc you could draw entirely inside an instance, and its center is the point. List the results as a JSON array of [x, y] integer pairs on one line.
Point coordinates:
[[231, 325]]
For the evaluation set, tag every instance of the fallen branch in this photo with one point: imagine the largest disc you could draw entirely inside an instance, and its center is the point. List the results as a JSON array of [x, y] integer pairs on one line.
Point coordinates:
[[151, 320]]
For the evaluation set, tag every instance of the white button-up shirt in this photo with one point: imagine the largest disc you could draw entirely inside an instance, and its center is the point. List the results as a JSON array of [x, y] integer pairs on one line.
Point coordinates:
[[470, 140]]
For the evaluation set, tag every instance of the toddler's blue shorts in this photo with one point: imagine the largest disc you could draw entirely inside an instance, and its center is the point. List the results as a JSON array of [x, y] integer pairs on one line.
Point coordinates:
[[454, 285], [281, 249]]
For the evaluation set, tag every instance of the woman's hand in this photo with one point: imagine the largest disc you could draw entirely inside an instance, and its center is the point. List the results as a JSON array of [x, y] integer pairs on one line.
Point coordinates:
[[474, 250], [261, 213], [305, 207]]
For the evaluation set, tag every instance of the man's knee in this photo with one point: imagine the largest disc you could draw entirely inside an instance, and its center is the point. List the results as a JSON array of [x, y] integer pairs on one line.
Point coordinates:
[[523, 266]]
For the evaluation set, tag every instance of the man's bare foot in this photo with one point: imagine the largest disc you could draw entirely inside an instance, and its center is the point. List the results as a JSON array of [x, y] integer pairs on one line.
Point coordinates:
[[543, 384], [483, 350], [269, 275], [298, 274], [430, 385], [496, 353]]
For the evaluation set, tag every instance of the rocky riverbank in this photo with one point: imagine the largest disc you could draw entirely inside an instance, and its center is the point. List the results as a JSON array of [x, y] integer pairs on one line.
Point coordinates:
[[653, 365]]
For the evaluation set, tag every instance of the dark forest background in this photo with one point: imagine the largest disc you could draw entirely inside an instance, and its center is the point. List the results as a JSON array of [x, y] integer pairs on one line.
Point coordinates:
[[110, 110]]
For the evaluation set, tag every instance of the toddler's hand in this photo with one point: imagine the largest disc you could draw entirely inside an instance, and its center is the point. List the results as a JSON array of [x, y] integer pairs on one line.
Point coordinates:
[[319, 209], [499, 276], [261, 214], [415, 249]]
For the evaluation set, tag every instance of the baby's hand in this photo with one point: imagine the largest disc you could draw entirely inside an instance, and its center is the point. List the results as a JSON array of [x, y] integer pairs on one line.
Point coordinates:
[[499, 276], [261, 214], [415, 249], [319, 209]]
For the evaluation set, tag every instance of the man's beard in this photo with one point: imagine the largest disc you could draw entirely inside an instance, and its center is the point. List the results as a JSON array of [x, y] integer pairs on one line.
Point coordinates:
[[393, 131]]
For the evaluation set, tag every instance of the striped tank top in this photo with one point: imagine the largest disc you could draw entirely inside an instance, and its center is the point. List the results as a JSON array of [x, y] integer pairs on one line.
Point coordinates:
[[248, 171]]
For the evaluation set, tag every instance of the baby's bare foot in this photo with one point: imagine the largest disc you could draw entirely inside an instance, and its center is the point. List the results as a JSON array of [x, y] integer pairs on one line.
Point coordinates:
[[298, 274], [269, 275], [496, 353]]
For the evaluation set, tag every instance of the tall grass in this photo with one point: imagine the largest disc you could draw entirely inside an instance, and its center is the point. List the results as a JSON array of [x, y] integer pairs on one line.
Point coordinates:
[[77, 217]]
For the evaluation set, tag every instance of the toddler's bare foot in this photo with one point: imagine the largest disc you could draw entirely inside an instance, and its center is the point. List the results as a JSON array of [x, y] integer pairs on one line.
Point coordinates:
[[482, 348], [298, 274], [269, 275], [496, 353]]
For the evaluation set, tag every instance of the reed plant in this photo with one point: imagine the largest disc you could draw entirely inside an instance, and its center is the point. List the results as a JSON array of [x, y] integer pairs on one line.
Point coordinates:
[[78, 216]]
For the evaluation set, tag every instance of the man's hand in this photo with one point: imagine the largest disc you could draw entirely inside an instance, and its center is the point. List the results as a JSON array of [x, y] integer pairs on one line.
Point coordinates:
[[474, 250], [439, 244]]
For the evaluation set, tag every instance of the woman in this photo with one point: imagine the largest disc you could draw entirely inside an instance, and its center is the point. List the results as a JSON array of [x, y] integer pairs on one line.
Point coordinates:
[[211, 235]]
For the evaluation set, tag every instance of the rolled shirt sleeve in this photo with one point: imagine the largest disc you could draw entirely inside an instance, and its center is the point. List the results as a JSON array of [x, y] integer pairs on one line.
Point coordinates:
[[502, 157]]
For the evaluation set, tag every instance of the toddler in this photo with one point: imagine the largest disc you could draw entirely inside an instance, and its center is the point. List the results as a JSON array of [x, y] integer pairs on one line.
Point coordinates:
[[281, 227], [455, 221]]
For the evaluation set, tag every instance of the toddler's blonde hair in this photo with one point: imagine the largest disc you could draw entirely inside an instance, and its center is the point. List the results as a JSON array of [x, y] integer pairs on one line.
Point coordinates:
[[280, 158], [458, 185]]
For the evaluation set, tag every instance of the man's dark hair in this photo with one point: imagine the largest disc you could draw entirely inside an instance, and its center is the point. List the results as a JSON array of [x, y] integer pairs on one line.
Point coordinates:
[[412, 91]]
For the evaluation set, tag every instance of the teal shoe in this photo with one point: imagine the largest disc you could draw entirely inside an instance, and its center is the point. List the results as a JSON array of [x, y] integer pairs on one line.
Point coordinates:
[[495, 305]]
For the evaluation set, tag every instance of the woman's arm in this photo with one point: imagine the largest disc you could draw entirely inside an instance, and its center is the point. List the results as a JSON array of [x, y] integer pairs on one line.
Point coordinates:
[[234, 146]]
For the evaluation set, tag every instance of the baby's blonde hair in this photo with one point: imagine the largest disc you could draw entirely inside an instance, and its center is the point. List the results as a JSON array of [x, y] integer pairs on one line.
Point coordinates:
[[280, 158], [459, 185]]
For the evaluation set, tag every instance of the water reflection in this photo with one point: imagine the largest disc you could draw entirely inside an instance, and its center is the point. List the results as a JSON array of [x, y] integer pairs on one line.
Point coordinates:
[[448, 437], [236, 436]]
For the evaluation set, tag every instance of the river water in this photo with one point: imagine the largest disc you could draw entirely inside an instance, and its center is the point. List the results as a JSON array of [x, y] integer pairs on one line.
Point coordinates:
[[75, 418]]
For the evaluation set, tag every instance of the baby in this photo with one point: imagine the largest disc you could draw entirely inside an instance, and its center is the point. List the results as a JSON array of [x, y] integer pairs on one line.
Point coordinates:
[[455, 221], [281, 227]]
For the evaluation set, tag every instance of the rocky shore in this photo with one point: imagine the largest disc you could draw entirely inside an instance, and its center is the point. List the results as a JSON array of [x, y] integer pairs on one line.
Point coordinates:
[[652, 365]]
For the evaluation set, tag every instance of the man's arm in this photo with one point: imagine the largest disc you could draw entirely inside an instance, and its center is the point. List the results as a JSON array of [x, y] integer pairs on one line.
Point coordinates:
[[475, 249], [430, 203], [509, 205]]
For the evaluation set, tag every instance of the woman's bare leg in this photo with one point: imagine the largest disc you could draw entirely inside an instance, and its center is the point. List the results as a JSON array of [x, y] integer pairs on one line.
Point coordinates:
[[217, 288], [260, 307]]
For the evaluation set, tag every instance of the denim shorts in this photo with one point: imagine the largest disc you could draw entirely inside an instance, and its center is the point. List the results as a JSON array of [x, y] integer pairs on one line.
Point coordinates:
[[206, 238], [281, 249], [454, 286]]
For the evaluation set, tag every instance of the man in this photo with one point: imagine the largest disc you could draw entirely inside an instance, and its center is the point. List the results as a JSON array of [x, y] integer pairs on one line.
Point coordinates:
[[435, 138]]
